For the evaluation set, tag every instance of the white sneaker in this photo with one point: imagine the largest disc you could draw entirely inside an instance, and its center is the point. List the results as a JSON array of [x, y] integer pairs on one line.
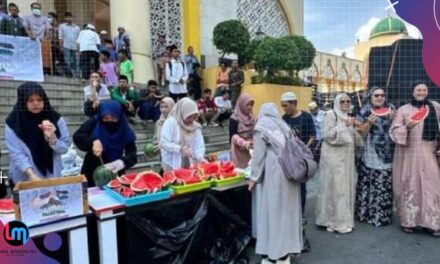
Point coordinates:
[[265, 261], [215, 124], [205, 125], [331, 230], [286, 261], [344, 231]]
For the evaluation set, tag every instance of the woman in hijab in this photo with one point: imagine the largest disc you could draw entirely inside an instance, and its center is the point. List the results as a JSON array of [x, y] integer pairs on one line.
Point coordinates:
[[166, 105], [337, 172], [416, 173], [241, 127], [374, 194], [36, 136], [181, 139], [278, 200], [108, 140]]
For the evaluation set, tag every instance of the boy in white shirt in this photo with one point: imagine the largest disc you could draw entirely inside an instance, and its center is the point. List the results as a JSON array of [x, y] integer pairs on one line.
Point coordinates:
[[224, 105]]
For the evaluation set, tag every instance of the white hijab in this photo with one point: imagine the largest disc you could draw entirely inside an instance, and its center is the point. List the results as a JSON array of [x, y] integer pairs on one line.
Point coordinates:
[[337, 106], [271, 124]]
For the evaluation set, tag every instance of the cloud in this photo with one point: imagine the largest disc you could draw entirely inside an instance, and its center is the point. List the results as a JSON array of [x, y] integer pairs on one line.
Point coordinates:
[[413, 31], [364, 31], [349, 52]]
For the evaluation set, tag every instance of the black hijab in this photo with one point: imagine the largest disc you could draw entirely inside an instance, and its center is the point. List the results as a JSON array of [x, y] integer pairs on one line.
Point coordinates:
[[25, 125], [430, 125]]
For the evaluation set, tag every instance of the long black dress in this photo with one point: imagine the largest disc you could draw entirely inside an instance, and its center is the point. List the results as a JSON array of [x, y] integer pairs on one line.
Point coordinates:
[[84, 141]]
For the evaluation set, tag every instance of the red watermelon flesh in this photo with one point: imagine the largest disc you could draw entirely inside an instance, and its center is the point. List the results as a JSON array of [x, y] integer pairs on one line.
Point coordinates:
[[208, 170], [421, 114], [114, 184], [383, 111], [226, 175], [148, 181], [187, 176], [127, 179], [6, 206], [191, 180], [168, 178], [227, 167], [127, 192]]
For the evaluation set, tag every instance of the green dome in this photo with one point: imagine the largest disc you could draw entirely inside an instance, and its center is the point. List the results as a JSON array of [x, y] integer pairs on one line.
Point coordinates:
[[389, 25]]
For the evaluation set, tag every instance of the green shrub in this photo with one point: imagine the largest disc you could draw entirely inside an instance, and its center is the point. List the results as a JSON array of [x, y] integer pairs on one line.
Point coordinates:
[[231, 36]]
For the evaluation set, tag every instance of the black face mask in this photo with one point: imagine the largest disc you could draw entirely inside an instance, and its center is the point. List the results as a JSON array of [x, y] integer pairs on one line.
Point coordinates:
[[111, 126]]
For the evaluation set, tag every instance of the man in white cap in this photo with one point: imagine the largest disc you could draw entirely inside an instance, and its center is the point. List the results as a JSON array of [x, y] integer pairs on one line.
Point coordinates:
[[318, 116], [303, 126], [87, 49]]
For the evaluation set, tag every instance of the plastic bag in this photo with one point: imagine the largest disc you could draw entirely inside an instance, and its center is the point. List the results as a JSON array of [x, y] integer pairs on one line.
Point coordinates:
[[197, 228]]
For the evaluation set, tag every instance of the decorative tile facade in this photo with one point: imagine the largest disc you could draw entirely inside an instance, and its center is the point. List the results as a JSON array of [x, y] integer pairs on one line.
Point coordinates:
[[266, 15], [166, 18]]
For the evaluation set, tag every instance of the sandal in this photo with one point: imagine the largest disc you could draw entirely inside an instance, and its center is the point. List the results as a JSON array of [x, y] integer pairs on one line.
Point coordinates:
[[434, 233], [407, 230]]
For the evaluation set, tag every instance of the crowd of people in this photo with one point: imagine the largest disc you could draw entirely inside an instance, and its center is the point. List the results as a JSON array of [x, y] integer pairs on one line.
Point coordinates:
[[368, 164]]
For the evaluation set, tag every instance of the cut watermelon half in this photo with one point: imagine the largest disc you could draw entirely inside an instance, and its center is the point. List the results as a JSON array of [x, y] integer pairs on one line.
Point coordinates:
[[421, 114], [187, 176], [6, 206], [127, 179], [383, 111], [114, 184], [149, 182]]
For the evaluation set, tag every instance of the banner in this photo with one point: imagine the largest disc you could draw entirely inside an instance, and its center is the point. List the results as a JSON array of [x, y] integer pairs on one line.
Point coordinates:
[[20, 59]]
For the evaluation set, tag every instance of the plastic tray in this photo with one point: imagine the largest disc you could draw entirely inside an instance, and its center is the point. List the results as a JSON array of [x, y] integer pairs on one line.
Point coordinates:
[[191, 187], [139, 199], [229, 181]]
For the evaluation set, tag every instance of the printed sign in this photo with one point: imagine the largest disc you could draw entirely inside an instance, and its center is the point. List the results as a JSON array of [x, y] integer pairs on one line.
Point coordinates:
[[20, 59]]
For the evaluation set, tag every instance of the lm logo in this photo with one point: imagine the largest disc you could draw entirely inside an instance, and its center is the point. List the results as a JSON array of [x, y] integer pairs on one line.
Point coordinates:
[[16, 233]]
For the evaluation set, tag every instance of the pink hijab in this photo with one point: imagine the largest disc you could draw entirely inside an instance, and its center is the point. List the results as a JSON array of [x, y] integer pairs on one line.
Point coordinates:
[[246, 121]]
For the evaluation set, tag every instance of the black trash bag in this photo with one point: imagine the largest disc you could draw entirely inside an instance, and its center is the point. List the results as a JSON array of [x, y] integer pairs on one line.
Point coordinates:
[[192, 229]]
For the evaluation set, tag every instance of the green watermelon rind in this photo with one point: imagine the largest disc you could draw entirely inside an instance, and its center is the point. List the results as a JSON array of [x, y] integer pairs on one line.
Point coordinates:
[[150, 150], [102, 181]]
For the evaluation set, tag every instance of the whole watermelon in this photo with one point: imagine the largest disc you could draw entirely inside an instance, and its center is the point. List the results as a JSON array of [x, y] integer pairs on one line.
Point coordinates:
[[150, 150], [102, 176]]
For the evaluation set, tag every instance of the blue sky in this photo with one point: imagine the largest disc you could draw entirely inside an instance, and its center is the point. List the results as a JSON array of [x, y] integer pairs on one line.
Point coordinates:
[[334, 25]]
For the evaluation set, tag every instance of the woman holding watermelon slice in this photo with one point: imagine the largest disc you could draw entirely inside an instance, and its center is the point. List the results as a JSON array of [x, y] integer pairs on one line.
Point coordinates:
[[374, 194], [108, 140], [36, 136], [416, 172]]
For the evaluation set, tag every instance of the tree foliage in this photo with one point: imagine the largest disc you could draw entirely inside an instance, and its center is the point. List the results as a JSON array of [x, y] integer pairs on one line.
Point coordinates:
[[307, 52], [231, 36]]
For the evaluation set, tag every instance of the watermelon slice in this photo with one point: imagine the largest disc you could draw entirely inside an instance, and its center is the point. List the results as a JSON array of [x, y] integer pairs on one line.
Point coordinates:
[[168, 178], [208, 170], [127, 192], [6, 206], [127, 179], [226, 175], [383, 111], [148, 181], [187, 176], [114, 184], [421, 114]]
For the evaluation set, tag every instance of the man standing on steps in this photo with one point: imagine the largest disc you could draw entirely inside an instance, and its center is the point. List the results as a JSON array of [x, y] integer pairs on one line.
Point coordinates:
[[303, 126], [13, 24], [236, 79], [176, 75], [87, 50], [68, 34], [36, 25]]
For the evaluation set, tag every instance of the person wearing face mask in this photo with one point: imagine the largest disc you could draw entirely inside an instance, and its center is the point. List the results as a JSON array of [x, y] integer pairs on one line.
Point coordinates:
[[374, 195], [337, 171], [36, 137], [416, 172], [107, 140], [36, 25], [13, 25], [181, 139]]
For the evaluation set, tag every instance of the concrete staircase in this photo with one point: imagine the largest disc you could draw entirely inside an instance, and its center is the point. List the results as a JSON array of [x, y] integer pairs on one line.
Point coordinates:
[[66, 96]]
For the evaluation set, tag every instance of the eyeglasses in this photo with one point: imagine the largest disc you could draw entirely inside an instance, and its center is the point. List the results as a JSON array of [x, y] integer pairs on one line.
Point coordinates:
[[379, 95], [345, 102]]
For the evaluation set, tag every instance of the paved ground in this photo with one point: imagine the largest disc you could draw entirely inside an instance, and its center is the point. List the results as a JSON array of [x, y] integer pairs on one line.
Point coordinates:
[[367, 244]]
